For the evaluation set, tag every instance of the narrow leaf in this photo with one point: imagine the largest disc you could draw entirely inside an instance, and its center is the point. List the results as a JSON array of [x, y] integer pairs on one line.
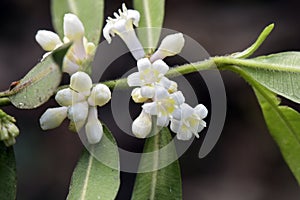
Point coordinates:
[[283, 78], [37, 86], [151, 21], [261, 38], [283, 123], [91, 178], [164, 183], [8, 180], [90, 12]]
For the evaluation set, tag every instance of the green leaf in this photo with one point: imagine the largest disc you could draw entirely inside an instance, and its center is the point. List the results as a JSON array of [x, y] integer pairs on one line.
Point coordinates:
[[284, 78], [151, 21], [91, 178], [37, 86], [283, 123], [261, 38], [8, 180], [90, 12], [279, 72], [164, 183]]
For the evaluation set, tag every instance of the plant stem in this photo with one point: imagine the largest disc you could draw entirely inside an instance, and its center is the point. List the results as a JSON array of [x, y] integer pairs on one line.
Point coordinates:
[[4, 101]]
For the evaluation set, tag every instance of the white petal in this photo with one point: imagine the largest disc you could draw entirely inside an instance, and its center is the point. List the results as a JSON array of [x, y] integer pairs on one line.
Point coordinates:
[[69, 66], [64, 97], [150, 108], [106, 32], [73, 27], [175, 125], [78, 112], [201, 111], [48, 40], [134, 79], [81, 82], [162, 121], [93, 127], [137, 97], [161, 66], [186, 110], [134, 15], [161, 93], [141, 126], [147, 91], [178, 97], [176, 114], [186, 135], [100, 95], [143, 64], [53, 117]]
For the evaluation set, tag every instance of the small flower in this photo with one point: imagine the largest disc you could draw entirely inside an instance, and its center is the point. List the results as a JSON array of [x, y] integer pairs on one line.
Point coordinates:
[[79, 104], [73, 32], [8, 130], [137, 97], [149, 76], [122, 25], [188, 121], [141, 126], [170, 46], [164, 105]]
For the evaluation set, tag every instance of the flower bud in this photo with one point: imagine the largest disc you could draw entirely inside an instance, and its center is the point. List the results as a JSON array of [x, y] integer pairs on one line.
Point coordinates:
[[141, 126], [137, 97], [67, 97], [170, 46], [100, 95], [12, 129], [53, 117], [93, 127], [73, 27], [48, 40], [81, 82], [78, 112]]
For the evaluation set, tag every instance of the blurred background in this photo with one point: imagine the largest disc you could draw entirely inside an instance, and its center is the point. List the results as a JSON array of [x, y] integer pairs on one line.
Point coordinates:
[[245, 164]]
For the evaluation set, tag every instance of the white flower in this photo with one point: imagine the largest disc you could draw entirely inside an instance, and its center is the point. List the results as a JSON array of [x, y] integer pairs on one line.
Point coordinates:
[[122, 25], [137, 97], [163, 105], [79, 103], [188, 121], [80, 50], [141, 126], [53, 117], [93, 127], [170, 46]]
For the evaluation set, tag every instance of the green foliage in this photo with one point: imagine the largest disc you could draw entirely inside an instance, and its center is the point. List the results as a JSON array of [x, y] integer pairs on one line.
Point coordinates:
[[261, 38], [164, 183], [37, 86], [90, 12], [91, 178], [282, 121], [8, 180], [283, 77], [152, 16]]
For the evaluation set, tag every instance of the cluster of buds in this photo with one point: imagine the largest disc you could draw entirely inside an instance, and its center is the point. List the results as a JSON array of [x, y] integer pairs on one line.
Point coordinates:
[[80, 50], [8, 130], [160, 95], [79, 104]]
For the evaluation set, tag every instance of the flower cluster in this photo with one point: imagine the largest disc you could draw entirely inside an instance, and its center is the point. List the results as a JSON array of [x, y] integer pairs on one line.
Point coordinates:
[[73, 32], [160, 95], [79, 104], [8, 130]]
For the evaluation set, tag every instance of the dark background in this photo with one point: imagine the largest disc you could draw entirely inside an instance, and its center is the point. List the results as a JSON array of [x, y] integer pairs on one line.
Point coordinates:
[[245, 164]]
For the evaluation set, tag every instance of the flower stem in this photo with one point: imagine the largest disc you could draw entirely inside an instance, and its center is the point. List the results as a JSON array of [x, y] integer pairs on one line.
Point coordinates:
[[5, 101]]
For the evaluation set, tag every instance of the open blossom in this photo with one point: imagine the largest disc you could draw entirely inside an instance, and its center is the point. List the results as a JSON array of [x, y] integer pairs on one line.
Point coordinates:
[[73, 31], [188, 121], [164, 105], [79, 104], [149, 76], [122, 25]]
